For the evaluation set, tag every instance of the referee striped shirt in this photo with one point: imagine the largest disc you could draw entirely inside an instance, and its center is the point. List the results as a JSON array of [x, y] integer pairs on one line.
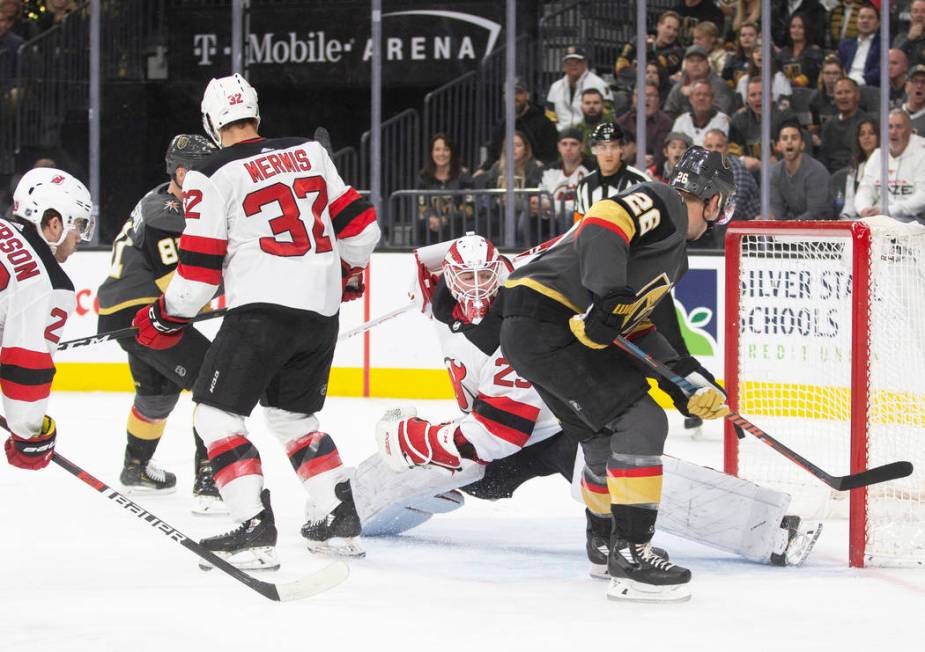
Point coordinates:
[[596, 187]]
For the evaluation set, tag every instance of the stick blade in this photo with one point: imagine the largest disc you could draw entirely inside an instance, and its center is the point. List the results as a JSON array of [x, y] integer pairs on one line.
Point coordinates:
[[892, 471], [327, 578]]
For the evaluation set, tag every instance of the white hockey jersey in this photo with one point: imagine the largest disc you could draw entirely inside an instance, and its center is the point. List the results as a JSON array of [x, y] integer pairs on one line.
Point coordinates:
[[36, 299], [273, 220], [503, 413]]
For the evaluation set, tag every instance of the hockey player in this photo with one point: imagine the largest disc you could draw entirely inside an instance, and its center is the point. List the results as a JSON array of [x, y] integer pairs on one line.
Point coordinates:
[[561, 314], [273, 220], [507, 423], [144, 259], [612, 175], [51, 213]]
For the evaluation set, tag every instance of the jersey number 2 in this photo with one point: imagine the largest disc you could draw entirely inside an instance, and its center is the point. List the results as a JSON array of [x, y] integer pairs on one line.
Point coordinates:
[[290, 221]]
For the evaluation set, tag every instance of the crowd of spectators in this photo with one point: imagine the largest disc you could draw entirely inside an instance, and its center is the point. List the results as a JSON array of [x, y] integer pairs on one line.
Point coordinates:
[[704, 74], [21, 21]]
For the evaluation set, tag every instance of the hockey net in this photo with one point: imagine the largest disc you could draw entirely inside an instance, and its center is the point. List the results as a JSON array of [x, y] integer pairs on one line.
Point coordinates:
[[825, 349]]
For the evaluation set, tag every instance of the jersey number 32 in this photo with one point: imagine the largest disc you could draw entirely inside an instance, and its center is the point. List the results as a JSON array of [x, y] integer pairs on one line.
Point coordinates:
[[290, 237]]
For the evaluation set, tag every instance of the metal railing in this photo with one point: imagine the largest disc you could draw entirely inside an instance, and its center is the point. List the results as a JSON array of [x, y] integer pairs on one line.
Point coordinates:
[[8, 97], [401, 140], [347, 162], [420, 217]]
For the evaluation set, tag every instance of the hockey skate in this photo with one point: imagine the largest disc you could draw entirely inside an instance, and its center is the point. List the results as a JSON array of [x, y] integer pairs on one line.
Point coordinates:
[[639, 574], [146, 479], [693, 426], [207, 501], [598, 545], [251, 545], [337, 532], [801, 537]]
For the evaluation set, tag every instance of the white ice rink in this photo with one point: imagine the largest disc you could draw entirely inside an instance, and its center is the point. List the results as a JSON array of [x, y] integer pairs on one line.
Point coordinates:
[[78, 573]]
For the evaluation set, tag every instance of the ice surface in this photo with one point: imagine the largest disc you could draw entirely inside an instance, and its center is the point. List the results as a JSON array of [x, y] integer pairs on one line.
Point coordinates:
[[78, 573]]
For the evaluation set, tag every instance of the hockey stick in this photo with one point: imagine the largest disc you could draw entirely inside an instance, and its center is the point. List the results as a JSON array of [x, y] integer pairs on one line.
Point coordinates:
[[883, 473], [322, 580], [365, 326], [99, 338]]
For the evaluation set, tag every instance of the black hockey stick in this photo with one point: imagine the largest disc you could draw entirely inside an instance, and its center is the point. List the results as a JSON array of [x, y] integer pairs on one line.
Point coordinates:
[[883, 473], [322, 580], [99, 338]]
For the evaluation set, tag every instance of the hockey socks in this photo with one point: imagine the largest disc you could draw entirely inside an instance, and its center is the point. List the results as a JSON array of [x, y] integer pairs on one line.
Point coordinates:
[[238, 475]]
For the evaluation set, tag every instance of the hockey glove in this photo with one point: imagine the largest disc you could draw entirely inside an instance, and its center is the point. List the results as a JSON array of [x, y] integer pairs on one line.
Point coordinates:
[[351, 282], [708, 402], [409, 442], [156, 329], [35, 452], [422, 289], [604, 320]]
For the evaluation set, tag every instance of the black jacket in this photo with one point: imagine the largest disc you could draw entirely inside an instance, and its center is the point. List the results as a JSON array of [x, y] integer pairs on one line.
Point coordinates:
[[536, 127]]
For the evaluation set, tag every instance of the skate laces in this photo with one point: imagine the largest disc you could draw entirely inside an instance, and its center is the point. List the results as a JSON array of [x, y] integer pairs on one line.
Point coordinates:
[[155, 473], [645, 553]]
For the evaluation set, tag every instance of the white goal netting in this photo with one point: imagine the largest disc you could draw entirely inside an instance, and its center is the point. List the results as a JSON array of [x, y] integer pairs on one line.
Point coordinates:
[[795, 367]]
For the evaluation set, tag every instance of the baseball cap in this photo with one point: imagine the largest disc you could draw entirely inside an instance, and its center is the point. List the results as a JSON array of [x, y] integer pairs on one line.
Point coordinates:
[[695, 51], [574, 52], [917, 70], [520, 84], [573, 133]]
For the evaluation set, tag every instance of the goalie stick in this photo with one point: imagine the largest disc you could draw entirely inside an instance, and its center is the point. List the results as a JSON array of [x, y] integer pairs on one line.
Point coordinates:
[[99, 338], [322, 580], [891, 471]]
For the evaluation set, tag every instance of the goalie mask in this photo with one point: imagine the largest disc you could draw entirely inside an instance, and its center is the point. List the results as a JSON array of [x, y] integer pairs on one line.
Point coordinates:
[[227, 100], [44, 189], [472, 269]]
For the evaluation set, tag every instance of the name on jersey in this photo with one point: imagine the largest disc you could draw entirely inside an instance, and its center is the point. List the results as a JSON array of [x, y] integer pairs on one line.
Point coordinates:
[[277, 163], [20, 258]]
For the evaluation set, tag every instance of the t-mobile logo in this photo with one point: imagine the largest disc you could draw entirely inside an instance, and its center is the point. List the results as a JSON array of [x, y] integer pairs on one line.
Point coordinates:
[[204, 48]]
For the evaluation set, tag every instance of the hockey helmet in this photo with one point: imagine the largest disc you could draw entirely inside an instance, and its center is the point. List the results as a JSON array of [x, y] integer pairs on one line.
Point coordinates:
[[44, 189], [703, 174], [472, 269], [607, 132], [185, 149], [227, 99]]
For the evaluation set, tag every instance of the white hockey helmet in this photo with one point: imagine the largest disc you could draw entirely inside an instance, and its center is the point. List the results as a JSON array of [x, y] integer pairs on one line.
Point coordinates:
[[225, 100], [473, 271], [43, 189]]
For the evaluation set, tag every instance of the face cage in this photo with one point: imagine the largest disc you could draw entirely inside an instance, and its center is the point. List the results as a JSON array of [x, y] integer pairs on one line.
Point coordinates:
[[476, 298]]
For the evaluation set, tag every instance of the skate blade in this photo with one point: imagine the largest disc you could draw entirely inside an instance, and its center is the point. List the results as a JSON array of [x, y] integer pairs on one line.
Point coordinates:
[[263, 558], [625, 590], [337, 547], [208, 506], [141, 490], [599, 572], [803, 544]]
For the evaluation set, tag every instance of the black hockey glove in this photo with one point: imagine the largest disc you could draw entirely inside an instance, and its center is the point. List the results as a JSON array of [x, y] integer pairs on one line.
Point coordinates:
[[604, 320], [708, 402]]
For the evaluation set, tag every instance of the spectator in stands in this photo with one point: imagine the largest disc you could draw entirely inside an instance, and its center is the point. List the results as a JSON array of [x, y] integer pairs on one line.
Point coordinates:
[[695, 11], [55, 12], [799, 183], [822, 101], [839, 132], [527, 174], [915, 99], [912, 42], [745, 12], [563, 102], [747, 197], [706, 35], [9, 49], [561, 180], [443, 217], [800, 58], [780, 85], [529, 119], [656, 74], [906, 178], [593, 112], [697, 68], [663, 47], [658, 124], [702, 117], [12, 9], [738, 62], [898, 67], [782, 12], [860, 57], [745, 128], [845, 181], [675, 146], [843, 21]]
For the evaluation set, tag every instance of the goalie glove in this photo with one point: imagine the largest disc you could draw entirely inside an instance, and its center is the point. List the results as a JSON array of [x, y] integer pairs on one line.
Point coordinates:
[[422, 289], [352, 283], [606, 318], [156, 329], [708, 402], [34, 452], [409, 442]]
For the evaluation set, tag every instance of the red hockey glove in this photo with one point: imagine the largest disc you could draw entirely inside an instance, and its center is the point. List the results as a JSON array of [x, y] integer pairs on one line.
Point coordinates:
[[157, 329], [35, 452], [422, 291], [351, 282]]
